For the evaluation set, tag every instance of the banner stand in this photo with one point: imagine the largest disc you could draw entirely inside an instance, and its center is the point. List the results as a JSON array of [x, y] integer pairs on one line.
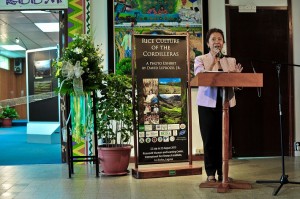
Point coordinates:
[[164, 171], [159, 169]]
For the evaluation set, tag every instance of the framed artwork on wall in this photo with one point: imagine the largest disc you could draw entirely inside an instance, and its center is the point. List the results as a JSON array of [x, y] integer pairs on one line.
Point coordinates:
[[160, 17], [42, 68]]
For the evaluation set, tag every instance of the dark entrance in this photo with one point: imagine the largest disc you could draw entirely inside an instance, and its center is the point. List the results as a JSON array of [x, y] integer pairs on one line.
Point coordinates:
[[259, 41]]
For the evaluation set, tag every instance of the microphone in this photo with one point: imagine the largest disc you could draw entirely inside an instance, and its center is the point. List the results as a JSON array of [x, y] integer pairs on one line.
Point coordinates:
[[219, 55], [252, 67], [258, 89]]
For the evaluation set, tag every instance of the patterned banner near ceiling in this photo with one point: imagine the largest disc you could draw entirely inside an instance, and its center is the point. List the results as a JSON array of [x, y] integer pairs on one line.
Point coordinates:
[[88, 31], [75, 18], [88, 16], [76, 25]]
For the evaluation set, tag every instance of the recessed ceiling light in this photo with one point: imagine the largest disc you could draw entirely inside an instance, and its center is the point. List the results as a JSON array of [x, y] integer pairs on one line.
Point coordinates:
[[12, 47], [48, 27], [34, 11]]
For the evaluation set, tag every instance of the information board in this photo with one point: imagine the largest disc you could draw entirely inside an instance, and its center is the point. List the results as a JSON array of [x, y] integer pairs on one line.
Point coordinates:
[[161, 72]]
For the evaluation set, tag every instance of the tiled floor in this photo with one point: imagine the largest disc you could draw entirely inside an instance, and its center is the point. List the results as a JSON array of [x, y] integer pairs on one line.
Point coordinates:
[[52, 182]]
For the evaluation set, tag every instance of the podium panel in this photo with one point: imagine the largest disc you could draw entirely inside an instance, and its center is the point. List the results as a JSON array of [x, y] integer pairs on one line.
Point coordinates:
[[226, 80], [223, 79]]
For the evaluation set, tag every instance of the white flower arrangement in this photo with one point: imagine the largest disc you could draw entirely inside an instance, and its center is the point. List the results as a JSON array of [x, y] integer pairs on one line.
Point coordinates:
[[80, 64]]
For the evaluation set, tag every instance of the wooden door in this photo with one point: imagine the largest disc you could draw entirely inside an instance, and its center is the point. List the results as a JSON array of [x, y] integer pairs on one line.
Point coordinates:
[[260, 41]]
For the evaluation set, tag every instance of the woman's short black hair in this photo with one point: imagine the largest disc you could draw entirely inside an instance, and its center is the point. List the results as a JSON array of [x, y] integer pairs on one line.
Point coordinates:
[[213, 30]]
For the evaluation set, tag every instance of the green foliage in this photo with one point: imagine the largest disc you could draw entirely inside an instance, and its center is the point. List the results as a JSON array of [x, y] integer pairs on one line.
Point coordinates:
[[169, 5], [81, 50], [114, 110], [124, 66], [9, 112]]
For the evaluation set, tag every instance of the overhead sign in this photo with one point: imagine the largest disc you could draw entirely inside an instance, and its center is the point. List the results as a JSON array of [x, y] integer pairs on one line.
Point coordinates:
[[33, 4]]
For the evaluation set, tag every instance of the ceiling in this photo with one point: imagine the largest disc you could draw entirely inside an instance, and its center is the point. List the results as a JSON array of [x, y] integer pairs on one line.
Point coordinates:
[[15, 24]]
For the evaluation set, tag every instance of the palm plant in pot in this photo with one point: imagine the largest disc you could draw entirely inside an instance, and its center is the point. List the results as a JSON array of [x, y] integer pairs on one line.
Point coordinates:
[[7, 115], [115, 124]]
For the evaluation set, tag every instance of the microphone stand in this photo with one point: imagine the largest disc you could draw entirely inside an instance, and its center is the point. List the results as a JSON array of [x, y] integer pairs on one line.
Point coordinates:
[[284, 178]]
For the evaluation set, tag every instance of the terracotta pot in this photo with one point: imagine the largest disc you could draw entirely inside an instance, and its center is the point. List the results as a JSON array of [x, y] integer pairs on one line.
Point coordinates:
[[114, 160], [6, 122]]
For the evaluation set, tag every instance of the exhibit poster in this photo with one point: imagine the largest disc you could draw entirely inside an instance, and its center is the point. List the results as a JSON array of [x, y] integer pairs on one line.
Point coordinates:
[[161, 75]]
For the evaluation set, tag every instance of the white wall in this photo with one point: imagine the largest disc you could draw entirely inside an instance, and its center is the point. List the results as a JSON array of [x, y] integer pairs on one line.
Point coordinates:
[[99, 26], [216, 19], [296, 34]]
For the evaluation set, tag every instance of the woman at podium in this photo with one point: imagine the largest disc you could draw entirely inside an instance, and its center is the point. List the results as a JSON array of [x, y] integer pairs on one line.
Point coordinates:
[[209, 100]]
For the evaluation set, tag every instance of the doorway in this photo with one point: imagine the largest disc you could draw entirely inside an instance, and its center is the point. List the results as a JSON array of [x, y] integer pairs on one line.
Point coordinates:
[[18, 27], [260, 42]]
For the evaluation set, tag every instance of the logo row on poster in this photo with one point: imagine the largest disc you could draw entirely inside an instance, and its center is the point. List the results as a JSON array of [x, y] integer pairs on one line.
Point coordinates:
[[162, 133]]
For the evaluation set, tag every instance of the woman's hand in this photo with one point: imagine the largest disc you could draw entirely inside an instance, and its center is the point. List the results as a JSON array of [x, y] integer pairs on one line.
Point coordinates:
[[215, 51], [238, 68]]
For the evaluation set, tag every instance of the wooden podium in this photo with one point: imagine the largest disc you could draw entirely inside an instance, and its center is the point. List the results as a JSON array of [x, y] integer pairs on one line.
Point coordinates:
[[226, 80]]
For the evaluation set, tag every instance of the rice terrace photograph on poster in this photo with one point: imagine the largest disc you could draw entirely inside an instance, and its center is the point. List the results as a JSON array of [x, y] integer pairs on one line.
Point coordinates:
[[170, 85], [170, 108], [170, 100], [162, 101], [159, 17]]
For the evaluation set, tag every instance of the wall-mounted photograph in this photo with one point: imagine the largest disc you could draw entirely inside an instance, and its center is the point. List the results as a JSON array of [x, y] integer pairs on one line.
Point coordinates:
[[42, 68]]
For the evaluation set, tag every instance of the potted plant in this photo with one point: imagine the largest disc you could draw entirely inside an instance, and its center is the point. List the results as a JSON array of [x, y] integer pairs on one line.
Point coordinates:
[[115, 124], [7, 115]]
